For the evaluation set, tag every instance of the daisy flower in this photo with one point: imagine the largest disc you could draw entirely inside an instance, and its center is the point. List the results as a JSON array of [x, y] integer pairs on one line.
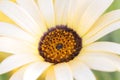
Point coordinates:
[[58, 38]]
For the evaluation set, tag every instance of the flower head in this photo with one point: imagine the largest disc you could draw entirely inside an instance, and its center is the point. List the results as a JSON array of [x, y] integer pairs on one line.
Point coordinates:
[[58, 37]]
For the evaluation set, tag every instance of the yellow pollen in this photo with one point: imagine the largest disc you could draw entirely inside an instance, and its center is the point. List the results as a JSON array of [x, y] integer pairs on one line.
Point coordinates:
[[57, 46]]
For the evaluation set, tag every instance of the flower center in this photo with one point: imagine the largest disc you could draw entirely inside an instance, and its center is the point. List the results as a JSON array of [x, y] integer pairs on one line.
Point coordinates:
[[60, 44]]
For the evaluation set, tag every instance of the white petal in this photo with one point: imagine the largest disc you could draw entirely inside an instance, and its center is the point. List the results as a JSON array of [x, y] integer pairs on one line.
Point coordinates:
[[60, 10], [16, 61], [31, 7], [104, 46], [112, 27], [47, 9], [17, 14], [63, 72], [65, 13], [15, 46], [34, 70], [101, 61], [76, 10], [92, 13], [102, 22], [11, 30], [50, 74], [81, 71], [18, 75]]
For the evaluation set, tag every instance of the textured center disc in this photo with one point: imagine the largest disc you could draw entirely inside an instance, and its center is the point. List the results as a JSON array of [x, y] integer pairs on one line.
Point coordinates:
[[60, 44]]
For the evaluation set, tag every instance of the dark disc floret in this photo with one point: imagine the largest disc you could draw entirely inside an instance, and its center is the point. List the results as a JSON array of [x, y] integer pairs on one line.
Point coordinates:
[[60, 44]]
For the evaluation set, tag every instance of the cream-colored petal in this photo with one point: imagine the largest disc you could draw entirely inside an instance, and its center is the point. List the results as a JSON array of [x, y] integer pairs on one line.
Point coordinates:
[[60, 10], [65, 14], [104, 46], [102, 61], [112, 27], [34, 70], [75, 11], [16, 61], [81, 71], [50, 74], [11, 30], [20, 16], [31, 7], [15, 46], [91, 14], [63, 72], [47, 10], [18, 75], [102, 22]]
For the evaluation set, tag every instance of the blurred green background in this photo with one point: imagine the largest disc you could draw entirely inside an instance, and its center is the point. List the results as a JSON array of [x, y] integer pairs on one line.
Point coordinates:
[[114, 37]]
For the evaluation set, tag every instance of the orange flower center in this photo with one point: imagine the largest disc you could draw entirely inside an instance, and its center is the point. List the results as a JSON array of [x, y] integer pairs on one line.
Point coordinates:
[[60, 44]]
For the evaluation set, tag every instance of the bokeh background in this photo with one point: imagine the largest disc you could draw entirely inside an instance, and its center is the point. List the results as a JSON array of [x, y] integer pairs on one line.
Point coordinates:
[[113, 37]]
